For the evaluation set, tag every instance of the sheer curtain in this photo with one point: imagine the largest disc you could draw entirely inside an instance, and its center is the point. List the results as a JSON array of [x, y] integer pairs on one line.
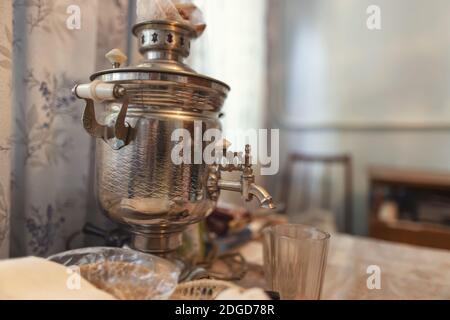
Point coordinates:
[[52, 153], [233, 49], [5, 122]]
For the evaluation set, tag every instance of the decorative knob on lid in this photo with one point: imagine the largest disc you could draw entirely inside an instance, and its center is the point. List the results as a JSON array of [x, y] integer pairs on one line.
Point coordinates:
[[116, 57]]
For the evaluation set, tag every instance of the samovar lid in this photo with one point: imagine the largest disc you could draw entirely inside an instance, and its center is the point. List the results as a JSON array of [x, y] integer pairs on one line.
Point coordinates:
[[164, 45]]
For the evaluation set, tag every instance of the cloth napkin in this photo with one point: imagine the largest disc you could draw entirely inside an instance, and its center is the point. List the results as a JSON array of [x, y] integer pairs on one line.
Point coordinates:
[[39, 279]]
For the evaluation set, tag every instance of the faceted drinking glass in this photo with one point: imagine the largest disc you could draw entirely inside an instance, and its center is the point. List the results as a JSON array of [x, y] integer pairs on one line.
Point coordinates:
[[295, 260]]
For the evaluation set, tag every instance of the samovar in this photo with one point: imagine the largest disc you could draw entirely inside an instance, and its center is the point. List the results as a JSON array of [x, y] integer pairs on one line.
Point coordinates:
[[137, 182]]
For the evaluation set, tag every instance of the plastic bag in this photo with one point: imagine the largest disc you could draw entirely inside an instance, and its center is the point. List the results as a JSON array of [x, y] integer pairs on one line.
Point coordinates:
[[126, 274], [183, 11], [157, 10]]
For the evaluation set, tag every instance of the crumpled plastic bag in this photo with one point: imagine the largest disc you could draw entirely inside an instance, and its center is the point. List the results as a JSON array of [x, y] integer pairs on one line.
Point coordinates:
[[157, 10], [183, 11], [124, 273]]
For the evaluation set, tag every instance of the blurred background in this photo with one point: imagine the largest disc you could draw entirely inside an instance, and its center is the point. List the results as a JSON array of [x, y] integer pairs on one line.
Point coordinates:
[[364, 115]]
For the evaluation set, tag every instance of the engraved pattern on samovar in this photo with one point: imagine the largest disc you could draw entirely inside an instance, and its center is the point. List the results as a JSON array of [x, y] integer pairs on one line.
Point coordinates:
[[137, 184]]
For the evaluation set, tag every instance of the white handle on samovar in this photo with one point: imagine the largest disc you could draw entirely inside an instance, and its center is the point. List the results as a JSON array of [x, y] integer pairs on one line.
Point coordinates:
[[99, 91], [117, 136]]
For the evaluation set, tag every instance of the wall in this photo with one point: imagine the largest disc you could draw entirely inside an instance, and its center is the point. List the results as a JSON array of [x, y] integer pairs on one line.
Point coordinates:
[[380, 95]]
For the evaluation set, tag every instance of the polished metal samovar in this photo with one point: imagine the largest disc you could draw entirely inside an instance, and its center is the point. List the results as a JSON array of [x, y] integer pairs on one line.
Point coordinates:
[[137, 183]]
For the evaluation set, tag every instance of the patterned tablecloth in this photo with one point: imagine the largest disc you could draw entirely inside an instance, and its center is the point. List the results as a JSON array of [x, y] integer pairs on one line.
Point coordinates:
[[407, 272]]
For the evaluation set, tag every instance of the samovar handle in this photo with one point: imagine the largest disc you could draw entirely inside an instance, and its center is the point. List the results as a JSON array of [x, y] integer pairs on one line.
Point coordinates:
[[117, 136]]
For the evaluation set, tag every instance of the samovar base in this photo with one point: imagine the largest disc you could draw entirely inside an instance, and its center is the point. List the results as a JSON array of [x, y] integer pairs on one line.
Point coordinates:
[[165, 245], [156, 243]]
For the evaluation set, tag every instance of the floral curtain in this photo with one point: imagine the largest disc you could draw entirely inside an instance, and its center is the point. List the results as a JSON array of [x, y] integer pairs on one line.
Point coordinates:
[[56, 44], [5, 120], [52, 172]]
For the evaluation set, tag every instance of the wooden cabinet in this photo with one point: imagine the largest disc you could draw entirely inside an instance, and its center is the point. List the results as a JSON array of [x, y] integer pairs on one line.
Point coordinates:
[[410, 206]]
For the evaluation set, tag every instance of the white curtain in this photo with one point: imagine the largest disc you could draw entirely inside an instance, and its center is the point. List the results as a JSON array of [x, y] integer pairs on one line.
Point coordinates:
[[233, 49], [5, 121], [52, 153]]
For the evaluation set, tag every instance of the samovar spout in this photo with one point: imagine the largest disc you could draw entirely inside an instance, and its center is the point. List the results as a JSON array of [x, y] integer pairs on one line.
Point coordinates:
[[264, 198], [246, 185]]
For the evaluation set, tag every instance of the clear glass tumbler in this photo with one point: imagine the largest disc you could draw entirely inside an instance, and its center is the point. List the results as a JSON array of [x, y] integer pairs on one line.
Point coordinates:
[[295, 258]]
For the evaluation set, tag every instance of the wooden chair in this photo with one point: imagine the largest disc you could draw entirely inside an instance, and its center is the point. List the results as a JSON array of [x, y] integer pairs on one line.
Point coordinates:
[[345, 161]]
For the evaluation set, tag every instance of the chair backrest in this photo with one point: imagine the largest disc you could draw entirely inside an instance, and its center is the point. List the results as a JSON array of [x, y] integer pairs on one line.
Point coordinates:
[[326, 184]]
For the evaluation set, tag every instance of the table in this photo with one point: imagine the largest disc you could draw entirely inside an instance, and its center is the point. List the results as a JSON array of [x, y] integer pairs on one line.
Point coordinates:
[[407, 272]]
